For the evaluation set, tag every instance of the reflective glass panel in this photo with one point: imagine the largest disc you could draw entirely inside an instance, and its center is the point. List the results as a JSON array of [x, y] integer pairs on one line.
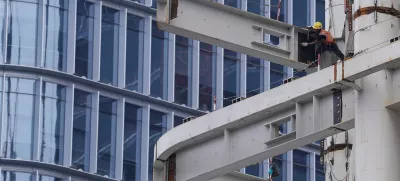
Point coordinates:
[[55, 34], [276, 74], [254, 76], [19, 113], [178, 121], [231, 76], [81, 131], [22, 33], [109, 46], [207, 74], [280, 162], [106, 136], [183, 62], [232, 3], [158, 126], [254, 170], [48, 178], [159, 63], [319, 169], [2, 28], [53, 116], [257, 7], [301, 14], [16, 176], [300, 166], [320, 11], [134, 53], [132, 142], [84, 38]]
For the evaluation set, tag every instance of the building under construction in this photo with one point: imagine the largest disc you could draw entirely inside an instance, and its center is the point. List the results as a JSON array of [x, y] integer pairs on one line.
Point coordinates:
[[351, 105]]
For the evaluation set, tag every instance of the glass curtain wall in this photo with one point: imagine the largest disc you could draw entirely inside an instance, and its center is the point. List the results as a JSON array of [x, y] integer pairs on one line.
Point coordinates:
[[16, 176], [319, 169], [134, 53], [132, 142], [53, 116], [158, 126], [22, 32], [3, 16], [320, 12], [159, 62], [301, 164], [81, 130], [255, 76], [178, 121], [109, 45], [207, 74], [84, 38], [106, 136], [55, 34], [19, 116], [183, 63], [231, 76]]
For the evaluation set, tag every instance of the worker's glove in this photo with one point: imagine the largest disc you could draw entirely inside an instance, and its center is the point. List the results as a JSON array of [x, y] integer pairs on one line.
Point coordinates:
[[304, 44]]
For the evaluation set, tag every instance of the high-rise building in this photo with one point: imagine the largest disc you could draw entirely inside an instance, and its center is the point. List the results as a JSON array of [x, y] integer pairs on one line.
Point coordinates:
[[88, 86]]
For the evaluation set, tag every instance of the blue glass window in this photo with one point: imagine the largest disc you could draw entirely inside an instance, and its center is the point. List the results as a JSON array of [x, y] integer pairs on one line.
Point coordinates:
[[16, 176], [178, 121], [256, 7], [254, 76], [53, 116], [319, 169], [55, 35], [81, 131], [84, 38], [134, 53], [183, 60], [255, 170], [280, 162], [159, 62], [274, 10], [232, 3], [207, 72], [320, 11], [2, 28], [132, 142], [19, 115], [106, 136], [109, 45], [231, 76], [158, 126], [48, 178], [301, 166], [277, 75], [22, 33], [301, 14]]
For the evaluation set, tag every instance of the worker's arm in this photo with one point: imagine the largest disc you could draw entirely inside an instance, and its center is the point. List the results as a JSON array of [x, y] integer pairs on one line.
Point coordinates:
[[304, 44]]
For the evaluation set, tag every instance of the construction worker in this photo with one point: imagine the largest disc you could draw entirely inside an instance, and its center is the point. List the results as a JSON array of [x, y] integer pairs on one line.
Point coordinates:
[[326, 40]]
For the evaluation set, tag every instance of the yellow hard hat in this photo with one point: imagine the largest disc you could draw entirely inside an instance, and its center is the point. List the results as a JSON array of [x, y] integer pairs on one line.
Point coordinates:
[[317, 25]]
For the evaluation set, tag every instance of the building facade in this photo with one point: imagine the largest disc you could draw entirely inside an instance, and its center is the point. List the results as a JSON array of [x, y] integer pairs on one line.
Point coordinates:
[[88, 87]]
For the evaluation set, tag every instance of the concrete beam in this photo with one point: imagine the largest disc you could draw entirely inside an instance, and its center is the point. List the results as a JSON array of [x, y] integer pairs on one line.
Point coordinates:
[[200, 144], [232, 29]]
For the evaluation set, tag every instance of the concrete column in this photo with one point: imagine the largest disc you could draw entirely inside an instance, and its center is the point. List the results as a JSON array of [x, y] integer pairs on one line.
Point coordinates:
[[377, 130]]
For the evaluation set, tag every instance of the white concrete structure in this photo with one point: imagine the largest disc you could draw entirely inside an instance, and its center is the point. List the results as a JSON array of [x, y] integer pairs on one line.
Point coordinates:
[[212, 146]]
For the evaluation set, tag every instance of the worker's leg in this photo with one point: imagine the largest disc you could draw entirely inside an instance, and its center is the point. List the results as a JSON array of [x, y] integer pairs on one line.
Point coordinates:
[[335, 49]]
